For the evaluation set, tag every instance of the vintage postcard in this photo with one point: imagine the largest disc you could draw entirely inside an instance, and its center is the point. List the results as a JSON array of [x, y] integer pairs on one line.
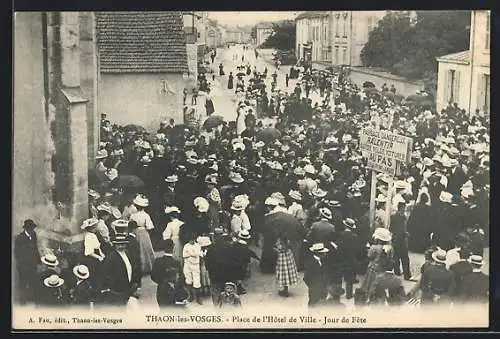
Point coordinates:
[[251, 170]]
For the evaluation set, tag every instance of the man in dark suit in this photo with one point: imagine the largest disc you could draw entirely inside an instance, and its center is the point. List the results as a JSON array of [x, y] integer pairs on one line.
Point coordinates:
[[27, 260], [82, 293], [218, 261], [459, 270], [133, 248], [315, 275], [165, 274], [122, 272], [436, 282], [322, 230], [387, 287], [475, 286], [400, 242], [349, 248], [456, 177]]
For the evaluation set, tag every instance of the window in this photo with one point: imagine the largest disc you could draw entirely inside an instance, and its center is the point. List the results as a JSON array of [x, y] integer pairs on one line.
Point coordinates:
[[487, 42], [344, 28], [484, 93], [337, 61], [317, 33], [324, 32], [344, 56], [453, 86], [337, 25]]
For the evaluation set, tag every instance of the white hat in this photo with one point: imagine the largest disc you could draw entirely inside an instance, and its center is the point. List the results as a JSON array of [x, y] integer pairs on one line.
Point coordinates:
[[145, 159], [299, 171], [295, 195], [382, 234], [381, 198], [81, 272], [476, 260], [118, 152], [101, 154], [239, 146], [203, 241], [309, 169], [172, 209], [318, 192], [349, 223], [53, 281], [439, 256], [89, 222], [237, 205], [325, 213], [244, 234], [172, 178], [236, 177], [94, 194], [120, 223], [50, 260], [141, 200], [201, 204], [270, 201], [400, 184], [318, 248], [445, 197]]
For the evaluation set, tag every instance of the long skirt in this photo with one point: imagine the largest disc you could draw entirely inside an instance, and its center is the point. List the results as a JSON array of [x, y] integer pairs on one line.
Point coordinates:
[[209, 106], [371, 273], [146, 249], [268, 257], [230, 84], [286, 270], [205, 279]]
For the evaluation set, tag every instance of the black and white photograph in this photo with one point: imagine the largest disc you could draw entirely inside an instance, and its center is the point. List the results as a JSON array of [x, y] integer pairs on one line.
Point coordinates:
[[239, 170]]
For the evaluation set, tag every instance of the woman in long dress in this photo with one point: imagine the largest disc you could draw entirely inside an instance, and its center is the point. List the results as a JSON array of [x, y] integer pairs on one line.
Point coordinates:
[[240, 121], [419, 225], [172, 231], [205, 243], [93, 256], [230, 81], [145, 224], [286, 269], [221, 70], [209, 104]]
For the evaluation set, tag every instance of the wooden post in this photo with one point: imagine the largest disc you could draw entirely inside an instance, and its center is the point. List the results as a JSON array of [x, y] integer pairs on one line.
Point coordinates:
[[388, 204], [373, 194]]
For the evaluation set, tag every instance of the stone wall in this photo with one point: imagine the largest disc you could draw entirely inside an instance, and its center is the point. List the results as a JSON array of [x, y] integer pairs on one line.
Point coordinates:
[[359, 75]]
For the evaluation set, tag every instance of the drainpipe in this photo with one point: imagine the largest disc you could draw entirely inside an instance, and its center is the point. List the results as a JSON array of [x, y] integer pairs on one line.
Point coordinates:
[[46, 85], [351, 39], [471, 51]]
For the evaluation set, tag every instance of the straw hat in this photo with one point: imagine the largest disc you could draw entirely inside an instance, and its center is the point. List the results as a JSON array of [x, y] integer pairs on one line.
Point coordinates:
[[94, 194], [299, 171], [81, 272], [120, 224], [318, 248], [239, 146], [101, 154], [427, 162], [203, 241], [230, 283], [383, 234], [476, 260], [120, 239], [439, 256], [333, 204], [172, 178], [236, 177], [270, 201], [89, 222], [244, 234], [325, 213], [350, 223], [112, 173], [309, 169], [296, 195], [445, 197], [279, 197], [50, 260], [318, 192], [211, 179], [141, 200], [381, 198], [53, 281], [172, 209], [237, 205], [201, 204], [400, 184]]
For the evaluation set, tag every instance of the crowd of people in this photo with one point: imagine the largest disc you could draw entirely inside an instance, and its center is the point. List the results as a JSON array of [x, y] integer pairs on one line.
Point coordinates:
[[286, 180]]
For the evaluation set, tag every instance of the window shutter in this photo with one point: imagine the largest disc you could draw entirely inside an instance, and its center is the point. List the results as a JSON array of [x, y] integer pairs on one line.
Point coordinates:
[[447, 84], [480, 92]]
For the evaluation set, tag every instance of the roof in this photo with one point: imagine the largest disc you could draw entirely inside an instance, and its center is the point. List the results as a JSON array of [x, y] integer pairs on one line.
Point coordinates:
[[312, 15], [457, 58], [141, 42], [264, 25]]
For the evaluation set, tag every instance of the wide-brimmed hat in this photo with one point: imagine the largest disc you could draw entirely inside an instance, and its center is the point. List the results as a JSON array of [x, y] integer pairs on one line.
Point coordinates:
[[476, 260], [120, 239], [120, 224], [230, 283], [454, 162], [360, 183], [439, 256], [111, 173], [106, 207], [236, 177], [145, 159], [270, 201], [89, 222], [101, 154], [81, 272], [350, 223], [309, 169], [203, 241], [279, 197], [237, 205], [446, 197], [172, 209], [400, 184], [50, 260], [53, 281], [333, 204], [381, 198], [325, 213], [296, 195], [427, 162], [172, 178], [211, 179], [201, 204], [446, 162], [318, 192], [244, 234], [29, 224], [318, 248], [141, 200], [383, 234], [94, 194]]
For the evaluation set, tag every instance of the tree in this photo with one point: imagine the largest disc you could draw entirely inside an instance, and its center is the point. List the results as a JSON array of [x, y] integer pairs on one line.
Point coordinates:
[[282, 37], [411, 50]]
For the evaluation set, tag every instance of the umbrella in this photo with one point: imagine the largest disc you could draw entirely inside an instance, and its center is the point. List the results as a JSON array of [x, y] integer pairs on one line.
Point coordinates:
[[368, 84], [213, 121], [284, 224], [128, 181], [240, 74], [134, 128], [268, 134]]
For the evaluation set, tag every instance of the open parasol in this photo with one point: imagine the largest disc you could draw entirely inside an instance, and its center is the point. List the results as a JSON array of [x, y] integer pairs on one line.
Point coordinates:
[[134, 128], [213, 121], [268, 134], [240, 74], [368, 84], [285, 225], [128, 182]]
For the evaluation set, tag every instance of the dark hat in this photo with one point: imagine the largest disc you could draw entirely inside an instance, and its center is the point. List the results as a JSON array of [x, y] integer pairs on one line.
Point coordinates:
[[29, 224]]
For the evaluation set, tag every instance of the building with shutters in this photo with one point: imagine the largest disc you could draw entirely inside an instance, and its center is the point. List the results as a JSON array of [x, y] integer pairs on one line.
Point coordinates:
[[312, 38], [143, 67], [262, 31], [464, 77]]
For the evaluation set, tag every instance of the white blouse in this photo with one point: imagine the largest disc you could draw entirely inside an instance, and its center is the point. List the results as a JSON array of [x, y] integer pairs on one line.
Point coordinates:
[[91, 244], [143, 220]]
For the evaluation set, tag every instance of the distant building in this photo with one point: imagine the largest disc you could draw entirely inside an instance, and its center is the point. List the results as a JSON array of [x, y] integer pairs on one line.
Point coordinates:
[[263, 31], [143, 66], [350, 32], [312, 43], [464, 77]]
